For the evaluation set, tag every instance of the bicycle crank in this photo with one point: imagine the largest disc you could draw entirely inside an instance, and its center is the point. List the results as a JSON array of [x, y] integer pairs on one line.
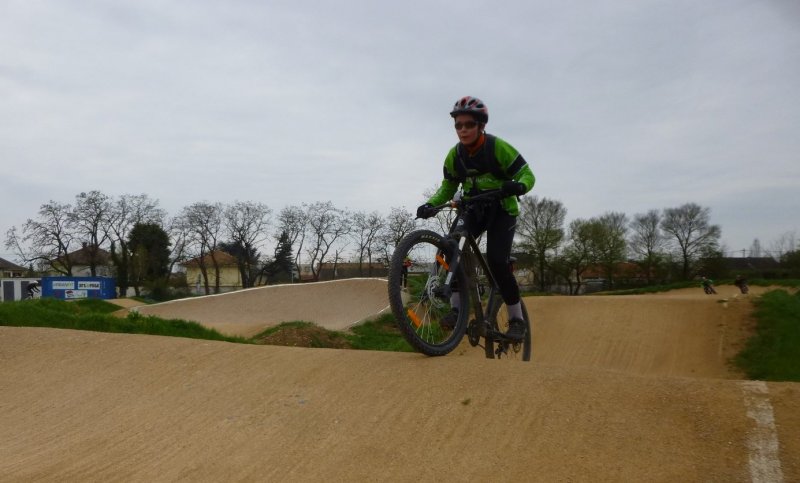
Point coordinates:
[[474, 332], [503, 348]]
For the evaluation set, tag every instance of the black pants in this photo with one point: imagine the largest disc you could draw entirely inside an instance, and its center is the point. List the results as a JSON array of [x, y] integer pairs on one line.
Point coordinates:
[[499, 227]]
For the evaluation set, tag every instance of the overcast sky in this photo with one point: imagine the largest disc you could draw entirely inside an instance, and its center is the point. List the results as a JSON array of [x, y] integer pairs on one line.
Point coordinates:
[[617, 105]]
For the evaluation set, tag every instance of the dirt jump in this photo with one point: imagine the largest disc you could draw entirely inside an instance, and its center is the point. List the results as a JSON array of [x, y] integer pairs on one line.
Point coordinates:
[[335, 305], [622, 388]]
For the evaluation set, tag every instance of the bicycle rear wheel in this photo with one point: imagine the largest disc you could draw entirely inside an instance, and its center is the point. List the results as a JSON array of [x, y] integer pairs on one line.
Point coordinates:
[[504, 349], [417, 300]]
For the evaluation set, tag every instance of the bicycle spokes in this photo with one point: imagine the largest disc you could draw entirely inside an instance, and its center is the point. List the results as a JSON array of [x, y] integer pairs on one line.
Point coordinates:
[[420, 299], [414, 318]]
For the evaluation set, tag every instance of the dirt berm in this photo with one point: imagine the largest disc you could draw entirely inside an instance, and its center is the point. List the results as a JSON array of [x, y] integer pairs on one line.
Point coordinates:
[[620, 389], [335, 305]]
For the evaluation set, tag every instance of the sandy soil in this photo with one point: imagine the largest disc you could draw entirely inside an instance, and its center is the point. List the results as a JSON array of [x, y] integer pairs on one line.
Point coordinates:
[[632, 388]]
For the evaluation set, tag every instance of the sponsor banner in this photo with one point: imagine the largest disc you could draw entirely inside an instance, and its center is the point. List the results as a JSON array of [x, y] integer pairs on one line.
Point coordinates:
[[76, 294], [63, 284], [89, 285]]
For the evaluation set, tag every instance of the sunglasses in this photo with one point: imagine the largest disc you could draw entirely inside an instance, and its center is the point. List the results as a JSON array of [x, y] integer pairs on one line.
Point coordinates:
[[465, 125]]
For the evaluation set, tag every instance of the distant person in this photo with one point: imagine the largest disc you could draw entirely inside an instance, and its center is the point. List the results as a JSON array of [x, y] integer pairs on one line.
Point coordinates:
[[708, 286], [406, 265], [741, 282], [33, 288]]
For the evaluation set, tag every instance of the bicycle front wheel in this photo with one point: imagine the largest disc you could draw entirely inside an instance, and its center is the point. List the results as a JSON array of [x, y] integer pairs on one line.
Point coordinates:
[[422, 309], [504, 349]]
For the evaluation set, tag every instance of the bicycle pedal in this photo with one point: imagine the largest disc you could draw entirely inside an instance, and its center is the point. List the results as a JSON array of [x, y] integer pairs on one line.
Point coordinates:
[[473, 332]]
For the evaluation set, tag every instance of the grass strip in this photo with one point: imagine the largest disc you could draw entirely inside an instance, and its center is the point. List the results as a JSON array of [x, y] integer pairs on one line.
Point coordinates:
[[773, 354], [95, 315], [380, 334]]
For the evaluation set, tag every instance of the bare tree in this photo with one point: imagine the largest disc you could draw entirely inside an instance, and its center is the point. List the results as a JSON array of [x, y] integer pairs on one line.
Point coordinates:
[[755, 248], [399, 223], [366, 228], [204, 221], [578, 254], [246, 224], [180, 236], [126, 212], [692, 231], [609, 242], [785, 243], [90, 221], [293, 221], [647, 242], [47, 240], [327, 225], [540, 229]]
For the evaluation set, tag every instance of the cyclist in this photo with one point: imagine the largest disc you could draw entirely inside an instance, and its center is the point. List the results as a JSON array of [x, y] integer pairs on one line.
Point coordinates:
[[481, 162], [708, 285], [33, 288], [741, 282]]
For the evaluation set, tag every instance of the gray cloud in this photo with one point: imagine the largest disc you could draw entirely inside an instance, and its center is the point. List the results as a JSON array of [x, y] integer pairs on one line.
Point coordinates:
[[622, 106]]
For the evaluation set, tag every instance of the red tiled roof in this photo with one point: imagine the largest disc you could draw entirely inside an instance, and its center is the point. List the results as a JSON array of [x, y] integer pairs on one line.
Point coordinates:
[[223, 259]]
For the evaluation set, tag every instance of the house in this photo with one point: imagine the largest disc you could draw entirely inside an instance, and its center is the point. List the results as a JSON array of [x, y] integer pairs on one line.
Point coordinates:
[[761, 267], [329, 271], [230, 278], [81, 259], [622, 271], [11, 270]]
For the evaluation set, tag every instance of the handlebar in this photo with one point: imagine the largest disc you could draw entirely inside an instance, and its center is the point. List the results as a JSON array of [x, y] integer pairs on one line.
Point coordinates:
[[489, 195]]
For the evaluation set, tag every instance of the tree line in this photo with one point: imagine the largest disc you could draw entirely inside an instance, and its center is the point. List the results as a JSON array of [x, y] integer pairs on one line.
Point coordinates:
[[146, 243], [671, 244], [657, 241]]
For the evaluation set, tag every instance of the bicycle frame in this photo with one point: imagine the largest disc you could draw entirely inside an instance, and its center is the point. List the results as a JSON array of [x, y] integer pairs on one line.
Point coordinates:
[[466, 252], [453, 263]]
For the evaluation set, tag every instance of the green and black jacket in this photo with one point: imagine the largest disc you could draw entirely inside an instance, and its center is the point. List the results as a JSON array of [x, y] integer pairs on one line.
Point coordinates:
[[493, 163]]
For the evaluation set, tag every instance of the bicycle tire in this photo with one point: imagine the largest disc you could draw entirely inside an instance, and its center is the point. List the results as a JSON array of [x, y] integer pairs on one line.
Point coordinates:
[[417, 308], [495, 349]]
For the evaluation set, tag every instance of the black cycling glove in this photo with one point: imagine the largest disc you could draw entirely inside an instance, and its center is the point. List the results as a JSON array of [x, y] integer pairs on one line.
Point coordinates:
[[426, 211], [515, 188]]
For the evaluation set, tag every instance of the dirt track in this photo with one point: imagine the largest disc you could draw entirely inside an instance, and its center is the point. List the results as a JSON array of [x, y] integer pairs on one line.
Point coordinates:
[[621, 389]]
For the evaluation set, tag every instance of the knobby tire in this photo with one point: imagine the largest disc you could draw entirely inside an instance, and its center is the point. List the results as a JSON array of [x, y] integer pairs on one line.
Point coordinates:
[[416, 307]]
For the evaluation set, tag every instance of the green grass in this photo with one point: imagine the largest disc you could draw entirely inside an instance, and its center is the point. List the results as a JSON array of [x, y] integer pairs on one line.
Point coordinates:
[[379, 334], [773, 354], [95, 315]]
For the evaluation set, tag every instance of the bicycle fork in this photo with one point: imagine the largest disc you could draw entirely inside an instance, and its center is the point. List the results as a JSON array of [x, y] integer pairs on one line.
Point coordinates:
[[457, 249]]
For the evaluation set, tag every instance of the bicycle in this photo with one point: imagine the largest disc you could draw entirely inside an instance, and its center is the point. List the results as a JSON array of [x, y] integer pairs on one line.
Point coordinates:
[[442, 265], [31, 289]]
